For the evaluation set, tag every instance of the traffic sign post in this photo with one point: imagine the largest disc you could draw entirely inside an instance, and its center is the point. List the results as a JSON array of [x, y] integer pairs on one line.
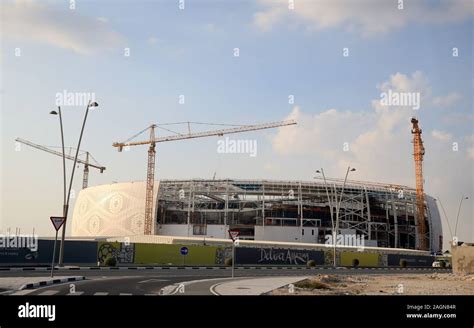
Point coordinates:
[[184, 251], [57, 222], [234, 235]]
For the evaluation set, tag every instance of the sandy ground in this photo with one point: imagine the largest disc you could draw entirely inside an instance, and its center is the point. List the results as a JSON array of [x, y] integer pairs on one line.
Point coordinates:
[[389, 284]]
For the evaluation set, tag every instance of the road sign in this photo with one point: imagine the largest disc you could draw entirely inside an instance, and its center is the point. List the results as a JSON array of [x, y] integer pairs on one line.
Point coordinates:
[[184, 250], [234, 234], [57, 221]]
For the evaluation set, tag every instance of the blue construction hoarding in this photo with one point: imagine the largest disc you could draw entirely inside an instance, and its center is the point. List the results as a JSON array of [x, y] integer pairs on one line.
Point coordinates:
[[74, 252], [277, 256]]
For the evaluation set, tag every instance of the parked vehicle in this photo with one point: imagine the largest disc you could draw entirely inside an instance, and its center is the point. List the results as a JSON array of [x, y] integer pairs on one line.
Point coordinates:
[[441, 264]]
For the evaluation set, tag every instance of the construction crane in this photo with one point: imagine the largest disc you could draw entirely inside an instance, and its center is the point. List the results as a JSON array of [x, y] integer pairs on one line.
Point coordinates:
[[86, 162], [152, 141], [418, 153]]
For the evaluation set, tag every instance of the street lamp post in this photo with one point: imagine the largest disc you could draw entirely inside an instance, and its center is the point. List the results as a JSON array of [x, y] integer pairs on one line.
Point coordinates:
[[349, 169], [457, 217], [330, 208], [335, 227], [67, 199], [446, 216], [64, 175], [64, 155]]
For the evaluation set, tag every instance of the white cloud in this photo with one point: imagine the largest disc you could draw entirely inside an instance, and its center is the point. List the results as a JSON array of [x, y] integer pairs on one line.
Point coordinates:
[[401, 83], [367, 17], [447, 101], [152, 40], [266, 19], [36, 22], [418, 83], [440, 135], [380, 145], [310, 133]]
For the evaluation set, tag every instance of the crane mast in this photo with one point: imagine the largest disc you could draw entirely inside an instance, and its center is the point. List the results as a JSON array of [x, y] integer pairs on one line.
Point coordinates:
[[85, 177], [152, 141], [86, 162], [418, 153], [150, 182]]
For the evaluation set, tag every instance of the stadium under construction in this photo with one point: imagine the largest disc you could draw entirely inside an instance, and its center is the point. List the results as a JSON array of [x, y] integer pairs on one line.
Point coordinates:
[[261, 210], [277, 222]]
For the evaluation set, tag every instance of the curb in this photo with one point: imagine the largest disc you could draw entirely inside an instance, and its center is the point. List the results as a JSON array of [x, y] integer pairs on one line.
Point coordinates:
[[51, 282], [215, 293], [173, 289], [223, 268]]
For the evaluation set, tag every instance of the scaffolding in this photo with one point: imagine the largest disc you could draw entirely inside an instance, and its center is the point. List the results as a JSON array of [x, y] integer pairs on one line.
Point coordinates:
[[382, 214]]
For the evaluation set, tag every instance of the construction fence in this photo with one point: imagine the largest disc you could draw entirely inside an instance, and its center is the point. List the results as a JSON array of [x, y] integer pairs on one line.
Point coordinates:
[[96, 252]]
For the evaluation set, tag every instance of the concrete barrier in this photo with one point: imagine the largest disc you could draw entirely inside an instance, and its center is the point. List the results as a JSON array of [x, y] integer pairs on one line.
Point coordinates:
[[463, 258]]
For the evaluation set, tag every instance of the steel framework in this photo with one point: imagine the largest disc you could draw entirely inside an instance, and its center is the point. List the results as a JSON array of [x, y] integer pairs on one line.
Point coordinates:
[[383, 214]]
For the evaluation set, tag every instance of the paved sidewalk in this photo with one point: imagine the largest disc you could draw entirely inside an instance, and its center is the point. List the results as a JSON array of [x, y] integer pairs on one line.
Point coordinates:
[[254, 286], [19, 283]]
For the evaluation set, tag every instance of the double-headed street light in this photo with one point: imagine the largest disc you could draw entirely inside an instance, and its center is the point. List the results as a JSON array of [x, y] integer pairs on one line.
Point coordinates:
[[64, 158], [64, 181], [327, 194], [330, 211], [457, 217], [349, 169], [335, 227], [67, 197]]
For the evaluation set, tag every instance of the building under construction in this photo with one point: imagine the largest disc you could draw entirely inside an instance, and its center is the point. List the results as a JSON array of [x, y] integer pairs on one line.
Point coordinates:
[[280, 211], [389, 216]]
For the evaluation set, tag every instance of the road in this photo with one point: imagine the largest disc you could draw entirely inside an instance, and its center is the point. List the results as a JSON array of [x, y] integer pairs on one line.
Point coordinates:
[[151, 282]]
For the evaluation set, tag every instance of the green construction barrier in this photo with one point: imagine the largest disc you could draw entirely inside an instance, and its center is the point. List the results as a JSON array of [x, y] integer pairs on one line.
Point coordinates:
[[163, 254], [359, 259]]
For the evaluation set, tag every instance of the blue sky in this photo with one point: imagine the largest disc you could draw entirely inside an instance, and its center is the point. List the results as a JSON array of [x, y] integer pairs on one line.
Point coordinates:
[[282, 52]]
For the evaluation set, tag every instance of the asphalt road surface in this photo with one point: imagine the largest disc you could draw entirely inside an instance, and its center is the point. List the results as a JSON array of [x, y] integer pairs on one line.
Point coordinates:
[[102, 286], [216, 271], [151, 282]]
